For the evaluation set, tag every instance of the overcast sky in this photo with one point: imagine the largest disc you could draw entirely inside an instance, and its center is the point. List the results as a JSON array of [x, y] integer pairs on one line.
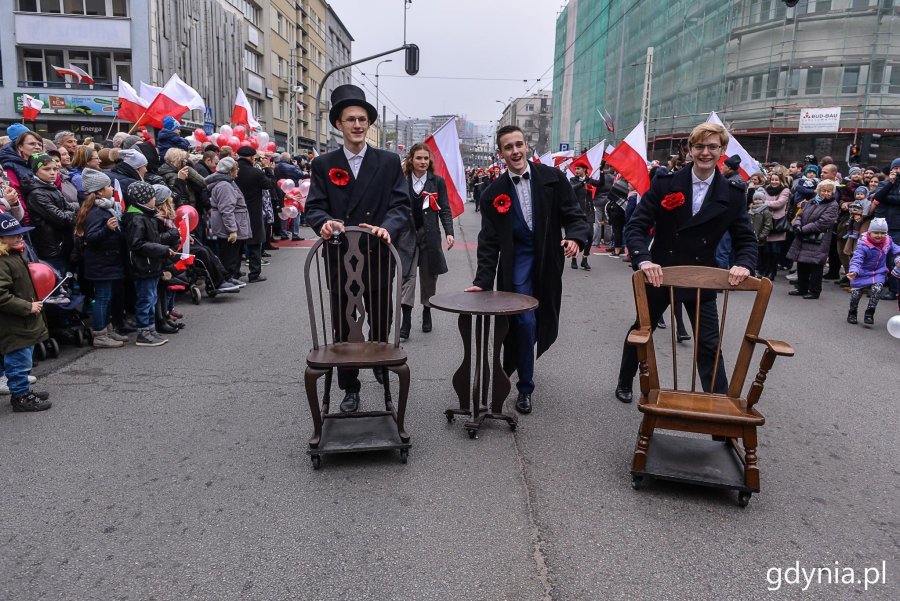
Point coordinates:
[[494, 40]]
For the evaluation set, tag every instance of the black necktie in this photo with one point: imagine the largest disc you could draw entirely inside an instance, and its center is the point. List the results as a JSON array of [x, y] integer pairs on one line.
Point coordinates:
[[516, 178]]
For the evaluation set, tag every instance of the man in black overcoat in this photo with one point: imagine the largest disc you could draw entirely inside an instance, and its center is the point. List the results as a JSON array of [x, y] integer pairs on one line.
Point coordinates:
[[523, 213], [358, 185], [252, 182], [689, 211]]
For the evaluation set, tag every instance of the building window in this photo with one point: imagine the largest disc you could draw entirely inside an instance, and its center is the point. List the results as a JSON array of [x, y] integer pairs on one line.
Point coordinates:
[[756, 87], [90, 8], [251, 60], [894, 86], [792, 83], [876, 77], [814, 81], [249, 10], [529, 108], [772, 84], [861, 4], [104, 67], [850, 82]]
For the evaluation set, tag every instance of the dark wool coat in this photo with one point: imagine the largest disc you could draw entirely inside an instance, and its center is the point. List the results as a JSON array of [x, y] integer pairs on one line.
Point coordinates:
[[104, 249], [817, 221], [252, 182], [53, 220], [554, 208], [147, 252], [434, 241], [18, 327]]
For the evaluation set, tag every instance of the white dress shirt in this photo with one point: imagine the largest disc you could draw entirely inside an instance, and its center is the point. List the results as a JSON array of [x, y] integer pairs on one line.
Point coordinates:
[[418, 184], [523, 191], [355, 160], [699, 188]]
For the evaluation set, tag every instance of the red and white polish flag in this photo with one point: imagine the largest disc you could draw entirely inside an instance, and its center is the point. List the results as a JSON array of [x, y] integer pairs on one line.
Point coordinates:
[[131, 106], [242, 113], [590, 159], [748, 165], [31, 107], [83, 76], [174, 100], [448, 163], [630, 159]]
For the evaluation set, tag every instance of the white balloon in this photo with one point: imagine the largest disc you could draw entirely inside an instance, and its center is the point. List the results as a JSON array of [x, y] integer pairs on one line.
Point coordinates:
[[226, 131], [263, 138], [893, 326], [291, 212]]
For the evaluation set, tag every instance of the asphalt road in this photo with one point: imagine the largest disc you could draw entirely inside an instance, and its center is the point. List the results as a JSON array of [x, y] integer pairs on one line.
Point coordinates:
[[180, 472]]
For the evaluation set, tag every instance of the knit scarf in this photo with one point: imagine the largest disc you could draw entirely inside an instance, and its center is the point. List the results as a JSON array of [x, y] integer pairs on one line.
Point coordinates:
[[879, 244], [774, 190], [757, 209]]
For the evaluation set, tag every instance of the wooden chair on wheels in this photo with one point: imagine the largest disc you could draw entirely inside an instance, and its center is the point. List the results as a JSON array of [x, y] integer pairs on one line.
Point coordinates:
[[728, 417], [347, 284]]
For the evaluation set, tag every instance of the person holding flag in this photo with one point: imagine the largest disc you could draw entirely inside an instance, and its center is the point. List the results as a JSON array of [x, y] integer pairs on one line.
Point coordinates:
[[420, 246], [689, 211], [585, 188], [523, 214]]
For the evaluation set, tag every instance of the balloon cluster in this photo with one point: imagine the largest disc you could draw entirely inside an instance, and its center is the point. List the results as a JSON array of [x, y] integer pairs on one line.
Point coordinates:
[[294, 197]]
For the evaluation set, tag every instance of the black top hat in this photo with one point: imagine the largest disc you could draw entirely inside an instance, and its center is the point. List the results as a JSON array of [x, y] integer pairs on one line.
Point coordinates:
[[349, 95]]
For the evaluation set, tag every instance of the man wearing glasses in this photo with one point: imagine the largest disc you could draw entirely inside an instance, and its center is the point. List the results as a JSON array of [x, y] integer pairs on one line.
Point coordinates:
[[357, 185], [700, 207]]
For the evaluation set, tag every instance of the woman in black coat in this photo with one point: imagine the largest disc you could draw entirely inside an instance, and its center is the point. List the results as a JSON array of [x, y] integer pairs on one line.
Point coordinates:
[[421, 245]]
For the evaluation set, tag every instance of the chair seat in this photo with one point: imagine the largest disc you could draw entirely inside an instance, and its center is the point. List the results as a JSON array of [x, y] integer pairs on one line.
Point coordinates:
[[701, 406], [356, 354]]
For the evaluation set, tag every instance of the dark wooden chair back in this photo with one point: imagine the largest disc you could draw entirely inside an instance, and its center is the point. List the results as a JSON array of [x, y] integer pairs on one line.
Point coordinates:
[[360, 266], [695, 280]]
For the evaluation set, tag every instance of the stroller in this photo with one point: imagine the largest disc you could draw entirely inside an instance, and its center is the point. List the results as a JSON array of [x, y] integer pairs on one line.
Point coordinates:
[[63, 310]]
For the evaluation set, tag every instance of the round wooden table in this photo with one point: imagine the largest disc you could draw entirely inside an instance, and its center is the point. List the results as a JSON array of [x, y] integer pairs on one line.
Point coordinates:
[[489, 375]]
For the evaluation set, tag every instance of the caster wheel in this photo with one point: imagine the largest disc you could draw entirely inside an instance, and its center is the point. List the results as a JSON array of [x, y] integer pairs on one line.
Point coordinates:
[[472, 433], [196, 295], [52, 347], [404, 455], [637, 482], [316, 461], [744, 498], [79, 338], [40, 351], [449, 417]]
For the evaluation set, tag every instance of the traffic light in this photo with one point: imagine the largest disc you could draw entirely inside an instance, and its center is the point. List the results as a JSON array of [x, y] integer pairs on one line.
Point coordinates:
[[412, 59], [853, 154], [868, 152]]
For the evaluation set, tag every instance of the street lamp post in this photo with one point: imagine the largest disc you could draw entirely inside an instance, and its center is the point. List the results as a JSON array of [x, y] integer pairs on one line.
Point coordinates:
[[377, 105]]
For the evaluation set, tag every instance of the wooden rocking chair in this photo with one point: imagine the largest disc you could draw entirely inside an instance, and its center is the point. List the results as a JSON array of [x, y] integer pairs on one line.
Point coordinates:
[[729, 417], [360, 278]]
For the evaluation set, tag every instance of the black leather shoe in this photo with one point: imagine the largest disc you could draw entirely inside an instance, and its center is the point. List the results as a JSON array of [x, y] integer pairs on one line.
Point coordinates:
[[259, 278], [164, 328], [350, 402], [796, 293], [426, 319], [682, 336], [624, 394], [810, 296], [523, 403], [379, 375], [574, 264]]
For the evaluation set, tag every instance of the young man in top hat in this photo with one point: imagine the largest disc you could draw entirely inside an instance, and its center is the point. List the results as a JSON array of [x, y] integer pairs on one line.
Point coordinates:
[[357, 185], [523, 213], [701, 206]]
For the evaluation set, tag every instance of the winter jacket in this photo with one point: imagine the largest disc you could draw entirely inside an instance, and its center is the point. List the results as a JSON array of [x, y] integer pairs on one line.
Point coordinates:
[[124, 174], [761, 219], [18, 327], [777, 205], [228, 212], [53, 219], [888, 196], [147, 254], [17, 211], [75, 175], [104, 249], [181, 194], [816, 220], [18, 173], [169, 139], [252, 182], [68, 189], [870, 263], [287, 170]]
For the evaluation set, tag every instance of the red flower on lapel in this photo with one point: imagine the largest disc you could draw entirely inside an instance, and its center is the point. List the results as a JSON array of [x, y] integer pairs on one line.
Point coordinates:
[[339, 177], [502, 204], [672, 201]]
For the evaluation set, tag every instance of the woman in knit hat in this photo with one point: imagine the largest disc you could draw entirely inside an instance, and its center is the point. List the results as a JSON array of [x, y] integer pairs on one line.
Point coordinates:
[[104, 252], [869, 268]]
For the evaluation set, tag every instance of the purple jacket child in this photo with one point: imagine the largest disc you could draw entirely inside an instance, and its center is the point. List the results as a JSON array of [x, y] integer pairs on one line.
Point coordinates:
[[869, 261]]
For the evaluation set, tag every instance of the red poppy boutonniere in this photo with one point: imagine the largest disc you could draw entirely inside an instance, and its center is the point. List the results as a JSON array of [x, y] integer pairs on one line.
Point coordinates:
[[339, 177], [670, 202], [502, 204]]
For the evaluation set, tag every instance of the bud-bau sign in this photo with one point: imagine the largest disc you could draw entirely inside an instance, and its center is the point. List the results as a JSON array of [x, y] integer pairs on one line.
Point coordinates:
[[814, 120]]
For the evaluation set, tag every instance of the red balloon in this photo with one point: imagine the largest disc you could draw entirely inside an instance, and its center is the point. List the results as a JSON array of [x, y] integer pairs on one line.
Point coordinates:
[[240, 132], [245, 143], [234, 142], [187, 212], [270, 147], [254, 143], [44, 278], [200, 135]]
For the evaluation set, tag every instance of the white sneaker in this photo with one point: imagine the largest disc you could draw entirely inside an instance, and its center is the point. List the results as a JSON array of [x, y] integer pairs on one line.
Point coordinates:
[[791, 277], [4, 387]]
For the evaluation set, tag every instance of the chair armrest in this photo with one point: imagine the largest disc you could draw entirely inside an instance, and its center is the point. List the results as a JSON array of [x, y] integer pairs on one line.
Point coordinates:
[[638, 337], [782, 349]]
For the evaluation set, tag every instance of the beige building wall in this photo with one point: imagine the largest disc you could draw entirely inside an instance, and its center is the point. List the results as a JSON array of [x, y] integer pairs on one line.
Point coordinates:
[[313, 62]]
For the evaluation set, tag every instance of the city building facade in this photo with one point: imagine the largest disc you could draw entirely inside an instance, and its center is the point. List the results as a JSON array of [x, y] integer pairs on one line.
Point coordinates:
[[533, 115], [758, 63]]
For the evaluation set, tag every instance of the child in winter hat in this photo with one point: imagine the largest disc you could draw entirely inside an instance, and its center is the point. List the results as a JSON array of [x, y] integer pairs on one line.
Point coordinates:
[[868, 268]]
